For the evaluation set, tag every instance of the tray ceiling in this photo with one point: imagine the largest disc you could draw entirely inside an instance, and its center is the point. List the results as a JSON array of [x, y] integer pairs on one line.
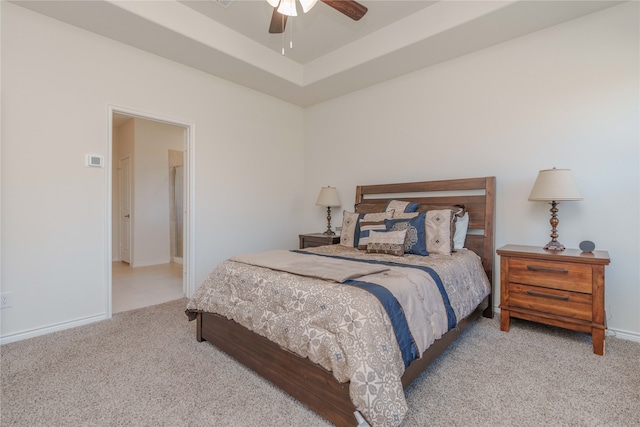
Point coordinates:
[[332, 55]]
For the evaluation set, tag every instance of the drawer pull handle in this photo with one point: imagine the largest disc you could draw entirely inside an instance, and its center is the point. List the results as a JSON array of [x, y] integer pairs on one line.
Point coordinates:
[[547, 269], [545, 295]]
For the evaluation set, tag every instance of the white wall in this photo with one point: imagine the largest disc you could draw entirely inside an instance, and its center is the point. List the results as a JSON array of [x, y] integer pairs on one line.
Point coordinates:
[[152, 219], [57, 84], [566, 96]]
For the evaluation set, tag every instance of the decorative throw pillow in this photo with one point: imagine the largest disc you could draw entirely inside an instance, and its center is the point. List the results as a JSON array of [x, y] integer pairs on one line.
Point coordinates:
[[460, 234], [438, 229], [458, 210], [371, 217], [401, 206], [405, 215], [366, 228], [349, 223], [415, 242], [380, 216], [388, 242]]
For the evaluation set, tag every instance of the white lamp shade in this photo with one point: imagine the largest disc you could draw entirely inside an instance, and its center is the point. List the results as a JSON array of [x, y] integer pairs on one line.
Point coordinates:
[[555, 185], [307, 5], [288, 7], [328, 197]]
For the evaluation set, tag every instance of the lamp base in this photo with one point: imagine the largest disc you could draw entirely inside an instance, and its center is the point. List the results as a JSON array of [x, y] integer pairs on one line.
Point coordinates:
[[329, 232], [554, 245]]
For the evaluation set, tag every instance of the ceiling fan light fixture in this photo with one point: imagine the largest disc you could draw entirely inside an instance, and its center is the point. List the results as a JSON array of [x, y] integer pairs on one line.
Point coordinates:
[[307, 5], [288, 7]]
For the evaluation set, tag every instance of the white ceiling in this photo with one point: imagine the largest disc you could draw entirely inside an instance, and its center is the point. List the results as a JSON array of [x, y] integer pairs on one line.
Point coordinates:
[[332, 55]]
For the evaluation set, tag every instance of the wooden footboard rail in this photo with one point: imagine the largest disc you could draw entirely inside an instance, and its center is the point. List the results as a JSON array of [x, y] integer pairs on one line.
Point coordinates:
[[298, 376], [304, 380]]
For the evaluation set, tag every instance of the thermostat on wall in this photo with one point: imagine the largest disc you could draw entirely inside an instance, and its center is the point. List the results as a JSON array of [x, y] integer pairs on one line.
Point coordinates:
[[94, 161]]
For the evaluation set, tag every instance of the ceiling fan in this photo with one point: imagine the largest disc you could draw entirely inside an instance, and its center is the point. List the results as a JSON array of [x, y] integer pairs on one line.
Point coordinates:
[[285, 8]]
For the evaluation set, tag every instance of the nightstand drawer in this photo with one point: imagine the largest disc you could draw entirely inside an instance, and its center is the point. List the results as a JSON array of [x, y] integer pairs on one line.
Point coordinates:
[[317, 239], [552, 301], [549, 274]]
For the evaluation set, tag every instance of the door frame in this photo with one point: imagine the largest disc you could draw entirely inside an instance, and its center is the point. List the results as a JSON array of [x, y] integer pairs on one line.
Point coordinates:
[[188, 284]]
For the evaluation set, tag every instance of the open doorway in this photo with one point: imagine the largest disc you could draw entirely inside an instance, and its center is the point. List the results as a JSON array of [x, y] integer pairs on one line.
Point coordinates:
[[149, 220]]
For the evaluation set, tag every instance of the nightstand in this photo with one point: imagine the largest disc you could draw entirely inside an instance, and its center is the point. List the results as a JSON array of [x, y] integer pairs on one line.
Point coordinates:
[[558, 288], [317, 239]]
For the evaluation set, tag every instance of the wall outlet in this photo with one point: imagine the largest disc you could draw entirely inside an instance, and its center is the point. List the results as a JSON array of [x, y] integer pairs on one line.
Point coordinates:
[[6, 299]]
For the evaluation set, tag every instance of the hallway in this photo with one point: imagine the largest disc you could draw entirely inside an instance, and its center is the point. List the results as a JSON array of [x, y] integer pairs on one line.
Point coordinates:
[[144, 286]]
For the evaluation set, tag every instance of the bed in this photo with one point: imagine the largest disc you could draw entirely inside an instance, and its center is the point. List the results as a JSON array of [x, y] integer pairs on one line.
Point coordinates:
[[311, 377]]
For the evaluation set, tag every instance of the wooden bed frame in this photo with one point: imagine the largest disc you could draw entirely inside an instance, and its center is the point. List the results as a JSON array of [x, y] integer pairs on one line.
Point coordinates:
[[310, 383]]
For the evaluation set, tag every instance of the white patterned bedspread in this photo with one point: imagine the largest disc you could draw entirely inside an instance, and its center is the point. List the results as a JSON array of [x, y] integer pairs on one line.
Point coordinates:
[[343, 328]]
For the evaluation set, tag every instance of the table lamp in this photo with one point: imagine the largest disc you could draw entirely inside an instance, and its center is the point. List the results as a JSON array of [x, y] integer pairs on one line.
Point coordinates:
[[328, 197], [554, 185]]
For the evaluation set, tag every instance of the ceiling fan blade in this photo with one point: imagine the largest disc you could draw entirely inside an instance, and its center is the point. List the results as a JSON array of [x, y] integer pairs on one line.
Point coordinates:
[[351, 8], [278, 22]]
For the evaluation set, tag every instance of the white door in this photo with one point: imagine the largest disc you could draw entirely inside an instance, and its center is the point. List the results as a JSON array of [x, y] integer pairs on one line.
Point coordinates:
[[125, 209]]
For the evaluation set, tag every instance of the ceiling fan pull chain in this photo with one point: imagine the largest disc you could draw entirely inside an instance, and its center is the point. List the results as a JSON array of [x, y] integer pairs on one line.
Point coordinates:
[[282, 16], [291, 35]]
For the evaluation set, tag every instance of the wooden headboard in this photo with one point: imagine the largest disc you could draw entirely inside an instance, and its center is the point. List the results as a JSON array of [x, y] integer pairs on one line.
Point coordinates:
[[476, 194]]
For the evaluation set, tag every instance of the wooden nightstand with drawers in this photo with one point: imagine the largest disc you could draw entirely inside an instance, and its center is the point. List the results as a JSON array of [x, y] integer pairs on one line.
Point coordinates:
[[559, 288], [317, 239]]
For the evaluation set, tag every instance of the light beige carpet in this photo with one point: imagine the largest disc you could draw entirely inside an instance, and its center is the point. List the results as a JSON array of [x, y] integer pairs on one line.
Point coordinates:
[[145, 368]]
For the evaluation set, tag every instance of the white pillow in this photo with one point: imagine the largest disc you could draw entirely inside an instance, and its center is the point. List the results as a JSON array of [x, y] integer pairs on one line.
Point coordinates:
[[459, 236]]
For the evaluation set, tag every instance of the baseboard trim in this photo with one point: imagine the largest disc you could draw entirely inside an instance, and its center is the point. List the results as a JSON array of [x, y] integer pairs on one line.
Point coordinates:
[[623, 335], [611, 332], [19, 336]]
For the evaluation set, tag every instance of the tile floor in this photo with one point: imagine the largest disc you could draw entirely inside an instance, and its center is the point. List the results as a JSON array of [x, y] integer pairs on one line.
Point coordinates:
[[144, 286]]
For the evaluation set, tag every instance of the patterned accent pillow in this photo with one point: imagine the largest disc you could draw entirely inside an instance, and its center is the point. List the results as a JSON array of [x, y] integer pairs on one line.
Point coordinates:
[[388, 242], [349, 223], [381, 216], [370, 217], [404, 215], [415, 242], [350, 233], [458, 210], [366, 228], [438, 229], [401, 206]]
